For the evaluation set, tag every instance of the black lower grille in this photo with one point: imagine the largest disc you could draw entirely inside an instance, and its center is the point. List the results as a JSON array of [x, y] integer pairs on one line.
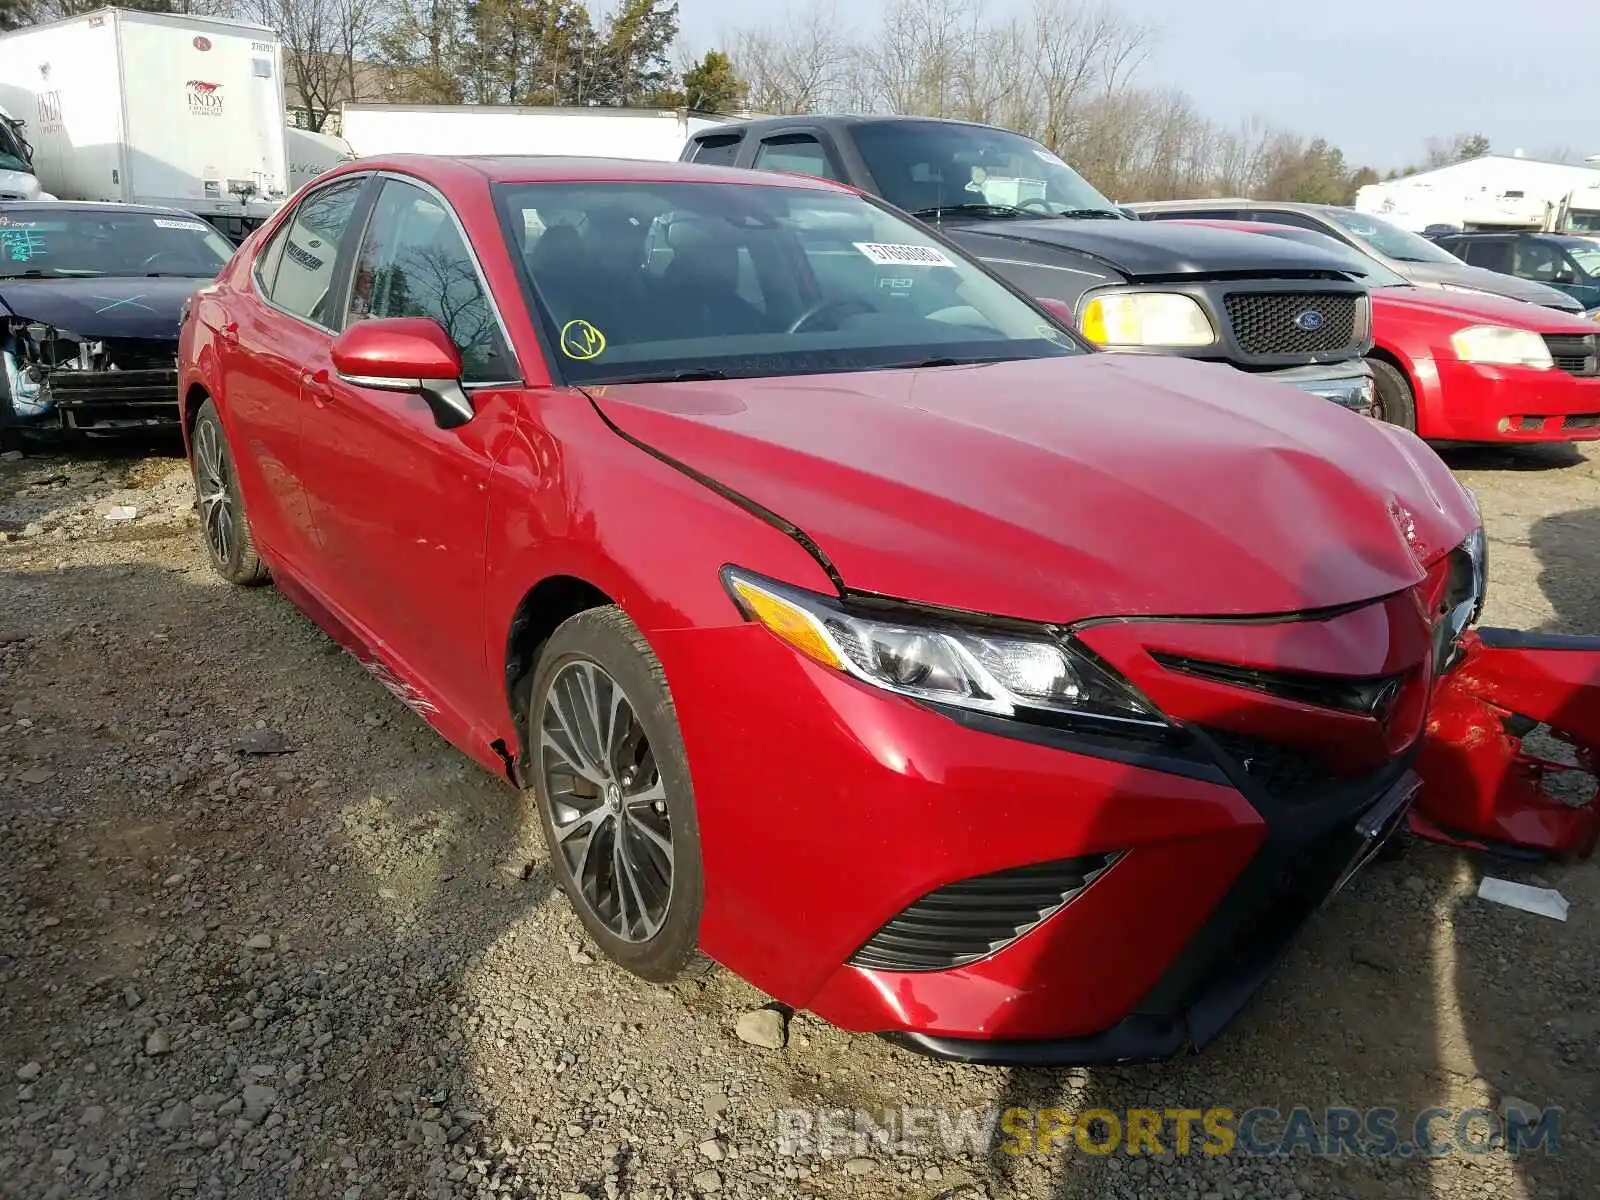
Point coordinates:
[[1288, 772], [1573, 353], [1274, 323], [972, 918], [139, 354], [115, 387]]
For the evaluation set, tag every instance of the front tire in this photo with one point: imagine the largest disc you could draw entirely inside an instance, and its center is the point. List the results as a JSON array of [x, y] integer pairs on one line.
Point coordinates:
[[614, 794], [1397, 404], [222, 517]]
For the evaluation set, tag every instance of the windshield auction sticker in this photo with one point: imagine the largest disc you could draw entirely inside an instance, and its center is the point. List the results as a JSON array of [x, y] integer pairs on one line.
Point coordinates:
[[887, 254], [165, 223], [582, 341]]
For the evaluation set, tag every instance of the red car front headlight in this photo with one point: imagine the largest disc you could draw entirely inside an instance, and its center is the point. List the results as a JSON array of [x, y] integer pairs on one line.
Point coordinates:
[[1008, 670]]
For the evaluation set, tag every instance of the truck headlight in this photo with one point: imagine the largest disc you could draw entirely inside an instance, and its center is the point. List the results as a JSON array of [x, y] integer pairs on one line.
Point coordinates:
[[1500, 345], [1146, 319], [1005, 672]]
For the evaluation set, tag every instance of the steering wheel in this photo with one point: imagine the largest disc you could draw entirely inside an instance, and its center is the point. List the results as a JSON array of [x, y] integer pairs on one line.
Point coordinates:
[[1036, 202], [843, 305], [149, 263]]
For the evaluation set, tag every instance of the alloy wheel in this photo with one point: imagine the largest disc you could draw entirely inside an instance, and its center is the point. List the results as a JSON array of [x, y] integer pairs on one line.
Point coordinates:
[[216, 501], [608, 804]]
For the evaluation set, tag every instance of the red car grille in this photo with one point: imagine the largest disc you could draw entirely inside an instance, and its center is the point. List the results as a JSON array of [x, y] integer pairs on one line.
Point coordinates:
[[1303, 706], [1574, 354]]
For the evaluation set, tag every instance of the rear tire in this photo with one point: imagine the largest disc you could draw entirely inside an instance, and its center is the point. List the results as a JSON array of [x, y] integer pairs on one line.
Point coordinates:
[[1397, 404], [223, 522], [615, 800]]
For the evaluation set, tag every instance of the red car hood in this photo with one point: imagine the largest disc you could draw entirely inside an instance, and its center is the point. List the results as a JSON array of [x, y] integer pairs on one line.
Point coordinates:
[[1481, 310], [1059, 489]]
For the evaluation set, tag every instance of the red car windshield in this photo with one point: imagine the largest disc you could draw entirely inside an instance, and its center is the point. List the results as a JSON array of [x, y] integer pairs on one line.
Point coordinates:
[[642, 281]]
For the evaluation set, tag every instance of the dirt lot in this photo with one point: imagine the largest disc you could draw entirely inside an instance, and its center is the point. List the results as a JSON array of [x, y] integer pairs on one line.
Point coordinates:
[[340, 970]]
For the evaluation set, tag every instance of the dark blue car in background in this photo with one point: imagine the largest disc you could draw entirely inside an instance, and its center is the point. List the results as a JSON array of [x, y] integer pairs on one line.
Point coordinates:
[[1568, 262]]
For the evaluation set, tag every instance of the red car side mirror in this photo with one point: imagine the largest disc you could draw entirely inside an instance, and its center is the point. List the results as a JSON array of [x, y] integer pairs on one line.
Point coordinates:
[[405, 354], [1059, 309]]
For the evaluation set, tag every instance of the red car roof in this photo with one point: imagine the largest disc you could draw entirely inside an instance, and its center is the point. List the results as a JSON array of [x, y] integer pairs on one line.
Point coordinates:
[[530, 168]]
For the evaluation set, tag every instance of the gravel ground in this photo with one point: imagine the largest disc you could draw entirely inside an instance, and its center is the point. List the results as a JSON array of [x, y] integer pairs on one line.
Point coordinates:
[[262, 933]]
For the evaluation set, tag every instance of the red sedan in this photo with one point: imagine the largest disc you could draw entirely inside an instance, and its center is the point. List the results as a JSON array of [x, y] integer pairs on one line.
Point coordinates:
[[855, 625], [1469, 367]]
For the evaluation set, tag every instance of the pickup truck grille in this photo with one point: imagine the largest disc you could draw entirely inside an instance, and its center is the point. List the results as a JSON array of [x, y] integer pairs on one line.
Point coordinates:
[[1286, 323], [1573, 353]]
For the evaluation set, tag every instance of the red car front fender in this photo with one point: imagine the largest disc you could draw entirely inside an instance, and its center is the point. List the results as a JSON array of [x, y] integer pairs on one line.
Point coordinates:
[[1481, 787]]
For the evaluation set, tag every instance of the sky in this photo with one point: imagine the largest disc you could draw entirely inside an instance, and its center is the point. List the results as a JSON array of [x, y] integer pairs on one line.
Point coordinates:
[[1377, 78]]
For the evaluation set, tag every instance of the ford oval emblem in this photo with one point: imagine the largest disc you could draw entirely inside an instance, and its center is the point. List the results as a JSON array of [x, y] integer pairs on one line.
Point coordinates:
[[1310, 320], [202, 43]]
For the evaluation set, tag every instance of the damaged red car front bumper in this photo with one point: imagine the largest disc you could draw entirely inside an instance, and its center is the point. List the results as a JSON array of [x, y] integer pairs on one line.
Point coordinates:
[[1483, 787]]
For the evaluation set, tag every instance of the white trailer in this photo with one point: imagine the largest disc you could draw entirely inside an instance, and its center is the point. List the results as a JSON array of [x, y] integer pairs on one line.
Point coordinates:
[[1495, 191], [647, 133], [1577, 212], [153, 108], [311, 153]]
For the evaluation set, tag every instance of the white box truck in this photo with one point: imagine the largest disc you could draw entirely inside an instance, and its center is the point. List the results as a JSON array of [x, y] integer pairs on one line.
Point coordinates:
[[153, 108], [648, 133]]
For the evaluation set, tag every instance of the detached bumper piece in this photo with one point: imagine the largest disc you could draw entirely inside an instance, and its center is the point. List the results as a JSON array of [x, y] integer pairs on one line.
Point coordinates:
[[1484, 789]]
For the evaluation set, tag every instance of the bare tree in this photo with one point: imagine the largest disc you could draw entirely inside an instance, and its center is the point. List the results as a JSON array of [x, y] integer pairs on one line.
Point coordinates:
[[1063, 72], [323, 41], [799, 64], [1458, 147], [912, 67], [1079, 54], [1563, 153]]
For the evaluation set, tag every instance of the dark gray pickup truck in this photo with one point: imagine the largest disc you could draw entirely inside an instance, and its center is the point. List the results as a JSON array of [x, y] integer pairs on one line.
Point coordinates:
[[1260, 304]]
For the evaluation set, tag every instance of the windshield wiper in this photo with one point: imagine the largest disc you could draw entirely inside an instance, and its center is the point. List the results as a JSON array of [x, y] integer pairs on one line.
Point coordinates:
[[53, 273], [979, 209], [673, 377], [971, 361]]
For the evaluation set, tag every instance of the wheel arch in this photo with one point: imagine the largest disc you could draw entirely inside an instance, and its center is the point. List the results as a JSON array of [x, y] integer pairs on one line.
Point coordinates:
[[543, 607], [1422, 377], [195, 396]]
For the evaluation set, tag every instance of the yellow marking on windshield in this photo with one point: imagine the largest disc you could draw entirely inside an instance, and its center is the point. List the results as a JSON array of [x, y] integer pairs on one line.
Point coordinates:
[[582, 341]]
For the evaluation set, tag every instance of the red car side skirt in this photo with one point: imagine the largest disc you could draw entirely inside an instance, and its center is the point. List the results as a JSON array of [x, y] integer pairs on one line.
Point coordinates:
[[1481, 788]]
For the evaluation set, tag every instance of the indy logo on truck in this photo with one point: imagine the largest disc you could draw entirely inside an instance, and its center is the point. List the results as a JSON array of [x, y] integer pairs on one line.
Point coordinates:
[[205, 99], [50, 119]]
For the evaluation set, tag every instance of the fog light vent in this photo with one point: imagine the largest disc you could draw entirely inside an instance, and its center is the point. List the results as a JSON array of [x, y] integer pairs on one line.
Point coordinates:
[[972, 918]]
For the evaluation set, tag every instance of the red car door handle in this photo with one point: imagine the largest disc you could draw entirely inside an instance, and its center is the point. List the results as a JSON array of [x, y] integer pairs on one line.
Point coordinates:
[[315, 384]]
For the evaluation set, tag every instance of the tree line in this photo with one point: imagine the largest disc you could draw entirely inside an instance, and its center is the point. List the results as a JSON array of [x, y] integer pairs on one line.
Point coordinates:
[[1067, 72]]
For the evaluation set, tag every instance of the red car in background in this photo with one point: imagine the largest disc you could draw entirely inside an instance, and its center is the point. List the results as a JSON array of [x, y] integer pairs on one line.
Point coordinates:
[[1456, 368], [855, 624]]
